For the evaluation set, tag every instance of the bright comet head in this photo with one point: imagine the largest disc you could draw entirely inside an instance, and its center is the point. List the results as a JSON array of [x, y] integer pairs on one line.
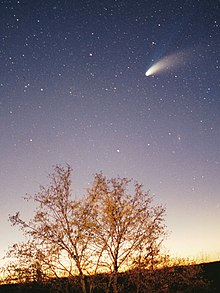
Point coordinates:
[[166, 63], [158, 67], [148, 72]]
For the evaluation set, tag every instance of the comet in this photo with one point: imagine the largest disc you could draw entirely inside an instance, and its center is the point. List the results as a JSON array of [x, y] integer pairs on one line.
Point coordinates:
[[166, 63]]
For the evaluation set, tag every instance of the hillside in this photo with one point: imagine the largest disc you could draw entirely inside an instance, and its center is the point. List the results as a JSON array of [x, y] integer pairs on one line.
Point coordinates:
[[211, 272]]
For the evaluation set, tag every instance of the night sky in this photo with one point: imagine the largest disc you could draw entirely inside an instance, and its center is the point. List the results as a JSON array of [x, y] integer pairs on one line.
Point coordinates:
[[73, 89]]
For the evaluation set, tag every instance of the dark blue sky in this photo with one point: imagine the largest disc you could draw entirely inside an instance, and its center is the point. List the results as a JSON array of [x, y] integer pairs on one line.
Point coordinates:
[[73, 89]]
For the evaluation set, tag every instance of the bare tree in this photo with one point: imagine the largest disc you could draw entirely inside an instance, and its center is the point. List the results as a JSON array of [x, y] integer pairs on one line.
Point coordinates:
[[25, 264], [125, 224], [60, 226], [114, 231]]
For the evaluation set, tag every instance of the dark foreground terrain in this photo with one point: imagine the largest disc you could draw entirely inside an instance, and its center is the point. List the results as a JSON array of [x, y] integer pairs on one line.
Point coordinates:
[[211, 272]]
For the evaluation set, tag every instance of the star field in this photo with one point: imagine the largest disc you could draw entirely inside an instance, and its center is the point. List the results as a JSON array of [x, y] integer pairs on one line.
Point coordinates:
[[73, 89]]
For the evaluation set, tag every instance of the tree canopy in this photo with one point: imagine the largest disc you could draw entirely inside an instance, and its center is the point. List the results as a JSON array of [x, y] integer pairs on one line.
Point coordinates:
[[114, 229]]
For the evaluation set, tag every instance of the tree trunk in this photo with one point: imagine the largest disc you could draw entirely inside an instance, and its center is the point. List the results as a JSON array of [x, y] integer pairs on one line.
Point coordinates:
[[83, 283], [138, 281], [115, 282]]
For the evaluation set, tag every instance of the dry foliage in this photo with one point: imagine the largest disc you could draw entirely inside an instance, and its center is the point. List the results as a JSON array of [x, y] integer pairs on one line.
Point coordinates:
[[114, 228]]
